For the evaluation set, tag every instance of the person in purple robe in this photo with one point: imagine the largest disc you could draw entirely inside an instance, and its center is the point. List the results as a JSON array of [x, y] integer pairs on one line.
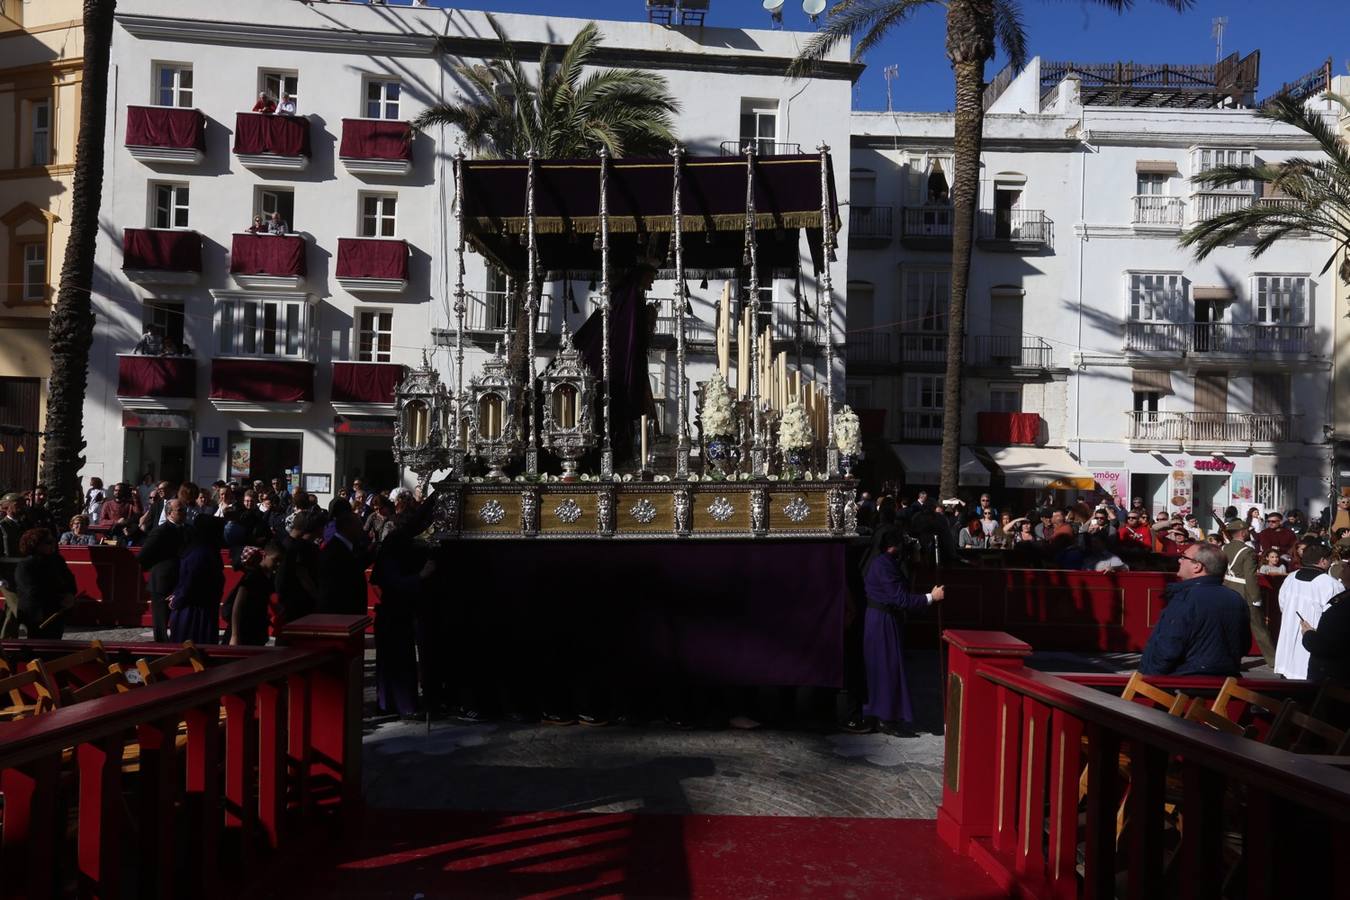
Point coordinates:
[[194, 605], [888, 600]]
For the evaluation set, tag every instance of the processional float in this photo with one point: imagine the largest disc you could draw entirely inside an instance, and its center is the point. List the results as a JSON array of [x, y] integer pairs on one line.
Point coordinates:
[[769, 449]]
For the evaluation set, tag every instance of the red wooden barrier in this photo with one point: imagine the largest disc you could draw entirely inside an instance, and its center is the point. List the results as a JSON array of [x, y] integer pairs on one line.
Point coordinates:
[[109, 583], [1018, 740], [243, 782]]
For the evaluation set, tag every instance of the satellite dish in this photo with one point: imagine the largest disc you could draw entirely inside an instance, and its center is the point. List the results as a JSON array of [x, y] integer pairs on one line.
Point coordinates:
[[813, 8], [774, 6]]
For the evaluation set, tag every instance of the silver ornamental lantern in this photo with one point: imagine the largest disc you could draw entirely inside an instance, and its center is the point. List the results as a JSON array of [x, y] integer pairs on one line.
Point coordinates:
[[494, 426], [568, 389], [421, 413]]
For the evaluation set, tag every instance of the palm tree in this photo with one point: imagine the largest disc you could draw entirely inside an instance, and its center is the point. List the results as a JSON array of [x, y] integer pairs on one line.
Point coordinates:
[[72, 323], [568, 113], [974, 29], [1312, 195]]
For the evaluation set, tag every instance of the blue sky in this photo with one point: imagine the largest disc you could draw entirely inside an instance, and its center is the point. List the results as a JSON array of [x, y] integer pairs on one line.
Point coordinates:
[[1293, 36]]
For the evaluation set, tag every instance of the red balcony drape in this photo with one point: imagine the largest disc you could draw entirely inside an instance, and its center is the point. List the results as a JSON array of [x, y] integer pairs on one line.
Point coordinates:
[[262, 380], [356, 382], [371, 258], [1000, 429], [154, 248], [157, 376], [375, 139], [163, 126], [267, 254], [259, 133]]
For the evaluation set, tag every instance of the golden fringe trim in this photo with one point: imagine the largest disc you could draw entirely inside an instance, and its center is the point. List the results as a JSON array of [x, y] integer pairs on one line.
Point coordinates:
[[650, 224]]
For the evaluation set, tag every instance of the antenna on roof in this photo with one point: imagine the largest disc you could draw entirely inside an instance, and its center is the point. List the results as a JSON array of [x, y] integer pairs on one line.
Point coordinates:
[[891, 72], [775, 10], [813, 8], [1216, 30]]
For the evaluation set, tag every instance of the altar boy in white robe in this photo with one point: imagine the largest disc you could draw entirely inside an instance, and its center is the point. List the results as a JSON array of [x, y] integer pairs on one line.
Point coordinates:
[[1304, 593]]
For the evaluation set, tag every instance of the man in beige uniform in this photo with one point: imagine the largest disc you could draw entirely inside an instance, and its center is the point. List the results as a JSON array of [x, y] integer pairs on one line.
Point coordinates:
[[1242, 577]]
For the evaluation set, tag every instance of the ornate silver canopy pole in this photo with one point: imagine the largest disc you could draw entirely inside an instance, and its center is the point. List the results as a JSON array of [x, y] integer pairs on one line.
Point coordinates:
[[532, 287], [759, 459], [681, 298], [606, 448], [455, 440], [827, 245]]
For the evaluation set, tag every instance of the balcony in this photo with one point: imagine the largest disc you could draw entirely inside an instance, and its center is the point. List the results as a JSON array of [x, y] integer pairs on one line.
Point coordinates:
[[161, 255], [264, 141], [365, 388], [1212, 203], [869, 226], [261, 384], [1210, 340], [490, 314], [166, 134], [864, 349], [791, 323], [156, 382], [1155, 212], [926, 227], [1014, 230], [268, 261], [1003, 429], [1156, 337], [921, 425], [924, 348], [377, 265], [695, 329], [1017, 351], [762, 148], [376, 147], [1206, 432]]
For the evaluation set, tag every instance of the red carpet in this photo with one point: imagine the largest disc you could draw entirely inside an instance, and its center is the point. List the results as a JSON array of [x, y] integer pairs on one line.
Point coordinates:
[[440, 854]]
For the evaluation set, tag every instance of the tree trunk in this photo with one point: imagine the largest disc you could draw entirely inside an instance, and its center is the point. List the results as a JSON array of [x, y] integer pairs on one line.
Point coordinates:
[[970, 42], [72, 323]]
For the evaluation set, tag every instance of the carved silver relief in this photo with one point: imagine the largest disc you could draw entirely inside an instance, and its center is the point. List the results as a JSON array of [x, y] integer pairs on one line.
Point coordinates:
[[604, 511], [797, 510], [445, 518], [568, 512], [684, 509], [721, 509], [492, 513], [759, 510], [529, 511], [851, 517], [643, 511], [835, 511]]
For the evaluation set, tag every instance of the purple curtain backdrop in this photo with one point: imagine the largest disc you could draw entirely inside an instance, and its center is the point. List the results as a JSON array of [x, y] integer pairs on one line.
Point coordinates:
[[163, 249], [160, 126], [261, 133], [262, 380], [156, 376], [375, 139], [372, 258], [267, 254], [365, 382]]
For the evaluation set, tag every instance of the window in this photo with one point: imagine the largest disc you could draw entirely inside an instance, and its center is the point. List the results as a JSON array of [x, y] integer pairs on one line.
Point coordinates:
[[1205, 159], [166, 319], [374, 335], [927, 296], [170, 206], [1005, 398], [1156, 297], [277, 84], [174, 84], [276, 200], [1147, 402], [382, 99], [1281, 300], [1273, 492], [34, 288], [759, 124], [858, 395], [42, 132], [1150, 184], [923, 406], [263, 327], [378, 214]]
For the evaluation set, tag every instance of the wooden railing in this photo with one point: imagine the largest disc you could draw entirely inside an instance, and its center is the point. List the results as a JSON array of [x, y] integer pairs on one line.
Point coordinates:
[[256, 747], [1203, 811], [1159, 210]]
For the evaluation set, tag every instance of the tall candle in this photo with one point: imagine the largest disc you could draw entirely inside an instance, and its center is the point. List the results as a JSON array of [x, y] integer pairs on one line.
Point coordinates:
[[644, 442]]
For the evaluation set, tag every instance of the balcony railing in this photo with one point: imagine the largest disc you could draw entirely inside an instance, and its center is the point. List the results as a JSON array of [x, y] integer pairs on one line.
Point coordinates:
[[1155, 337], [268, 260], [161, 255], [922, 425], [372, 264], [1208, 204], [272, 141], [261, 384], [1015, 226], [868, 348], [926, 223], [869, 223], [695, 329], [789, 323], [928, 347], [1018, 350], [762, 148], [166, 134], [489, 312], [1157, 211], [1235, 338], [365, 383], [162, 379], [1209, 428], [376, 146]]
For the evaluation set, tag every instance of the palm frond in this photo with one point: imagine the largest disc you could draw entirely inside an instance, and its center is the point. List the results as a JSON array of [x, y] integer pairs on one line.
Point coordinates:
[[1011, 32], [848, 19]]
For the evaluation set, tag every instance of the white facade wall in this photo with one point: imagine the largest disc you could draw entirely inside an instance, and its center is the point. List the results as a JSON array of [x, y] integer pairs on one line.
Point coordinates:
[[333, 48]]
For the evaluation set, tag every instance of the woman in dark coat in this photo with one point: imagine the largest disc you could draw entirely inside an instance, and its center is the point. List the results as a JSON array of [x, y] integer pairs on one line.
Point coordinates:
[[246, 608], [44, 584], [888, 599], [195, 602], [401, 571]]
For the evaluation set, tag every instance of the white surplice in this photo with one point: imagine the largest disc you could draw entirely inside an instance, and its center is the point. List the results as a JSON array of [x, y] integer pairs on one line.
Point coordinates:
[[1305, 593]]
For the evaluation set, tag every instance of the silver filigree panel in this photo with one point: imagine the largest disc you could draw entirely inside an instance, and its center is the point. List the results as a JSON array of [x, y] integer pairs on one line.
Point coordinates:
[[721, 509], [568, 512], [643, 511], [797, 510], [492, 513]]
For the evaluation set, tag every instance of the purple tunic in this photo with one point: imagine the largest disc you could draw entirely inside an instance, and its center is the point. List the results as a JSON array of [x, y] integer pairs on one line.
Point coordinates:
[[883, 654], [201, 582]]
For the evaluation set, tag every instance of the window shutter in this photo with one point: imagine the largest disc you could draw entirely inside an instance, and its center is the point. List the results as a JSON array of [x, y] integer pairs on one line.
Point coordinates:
[[1151, 381]]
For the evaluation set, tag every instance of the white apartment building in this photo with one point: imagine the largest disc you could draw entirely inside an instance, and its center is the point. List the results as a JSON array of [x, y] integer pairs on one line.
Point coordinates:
[[1100, 352], [298, 340]]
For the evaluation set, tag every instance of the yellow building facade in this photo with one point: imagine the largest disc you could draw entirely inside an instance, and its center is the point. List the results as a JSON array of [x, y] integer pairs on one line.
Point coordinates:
[[41, 53]]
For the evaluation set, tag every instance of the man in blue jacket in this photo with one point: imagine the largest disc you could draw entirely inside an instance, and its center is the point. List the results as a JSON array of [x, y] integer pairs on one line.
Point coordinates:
[[1204, 628]]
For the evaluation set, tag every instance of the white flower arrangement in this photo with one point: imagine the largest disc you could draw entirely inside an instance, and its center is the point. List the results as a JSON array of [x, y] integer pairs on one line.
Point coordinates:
[[794, 431], [847, 432], [717, 415]]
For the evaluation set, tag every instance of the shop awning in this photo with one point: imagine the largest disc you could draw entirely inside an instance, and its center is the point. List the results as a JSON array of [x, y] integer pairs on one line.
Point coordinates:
[[1041, 467], [923, 465]]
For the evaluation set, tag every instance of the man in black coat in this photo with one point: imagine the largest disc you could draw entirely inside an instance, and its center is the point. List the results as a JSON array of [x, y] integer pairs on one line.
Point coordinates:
[[1204, 628], [160, 556], [342, 570]]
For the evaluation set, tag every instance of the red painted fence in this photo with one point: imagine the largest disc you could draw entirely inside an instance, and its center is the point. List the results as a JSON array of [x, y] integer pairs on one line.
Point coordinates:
[[258, 749]]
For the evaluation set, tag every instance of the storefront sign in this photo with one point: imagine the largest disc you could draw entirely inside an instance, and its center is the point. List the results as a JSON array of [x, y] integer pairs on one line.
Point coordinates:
[[1113, 485], [241, 457], [1215, 465], [1179, 491], [1240, 486], [365, 426], [164, 421], [211, 448]]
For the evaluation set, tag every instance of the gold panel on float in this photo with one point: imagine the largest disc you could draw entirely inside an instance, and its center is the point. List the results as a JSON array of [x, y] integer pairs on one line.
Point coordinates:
[[800, 510], [645, 513], [492, 513], [720, 511], [571, 513]]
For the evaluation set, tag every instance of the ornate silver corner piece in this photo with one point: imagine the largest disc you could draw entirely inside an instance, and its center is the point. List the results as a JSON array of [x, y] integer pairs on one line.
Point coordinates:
[[851, 517], [492, 513], [568, 512], [835, 511], [445, 518], [721, 509], [797, 510], [604, 511], [684, 512], [643, 511], [759, 511], [529, 512]]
